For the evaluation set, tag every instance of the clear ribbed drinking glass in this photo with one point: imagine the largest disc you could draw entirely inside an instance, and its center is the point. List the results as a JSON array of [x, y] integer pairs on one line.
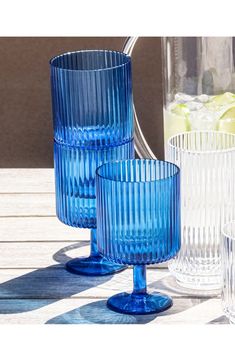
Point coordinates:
[[93, 123], [228, 270], [206, 160], [138, 223]]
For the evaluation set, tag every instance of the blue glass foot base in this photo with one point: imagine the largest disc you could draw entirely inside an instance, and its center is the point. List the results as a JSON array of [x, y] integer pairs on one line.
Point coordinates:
[[93, 266], [139, 304]]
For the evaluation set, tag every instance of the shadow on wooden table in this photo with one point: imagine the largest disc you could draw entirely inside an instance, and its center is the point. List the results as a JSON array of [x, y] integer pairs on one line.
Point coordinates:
[[222, 320], [44, 286], [168, 284], [97, 312]]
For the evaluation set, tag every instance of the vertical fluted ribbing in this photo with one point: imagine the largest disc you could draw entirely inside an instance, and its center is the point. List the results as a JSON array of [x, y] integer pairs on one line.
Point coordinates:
[[75, 180], [92, 98], [136, 201], [228, 269], [206, 160], [93, 123]]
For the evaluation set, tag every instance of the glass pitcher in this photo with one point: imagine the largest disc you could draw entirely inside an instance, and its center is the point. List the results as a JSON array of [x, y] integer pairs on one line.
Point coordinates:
[[199, 87], [198, 104]]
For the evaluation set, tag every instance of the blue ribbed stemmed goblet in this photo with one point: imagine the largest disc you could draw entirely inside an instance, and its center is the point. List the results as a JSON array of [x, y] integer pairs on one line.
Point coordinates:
[[93, 124], [138, 223]]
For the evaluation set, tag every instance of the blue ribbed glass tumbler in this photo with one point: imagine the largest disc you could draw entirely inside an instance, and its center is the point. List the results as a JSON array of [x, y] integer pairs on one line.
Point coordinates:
[[138, 223], [93, 124]]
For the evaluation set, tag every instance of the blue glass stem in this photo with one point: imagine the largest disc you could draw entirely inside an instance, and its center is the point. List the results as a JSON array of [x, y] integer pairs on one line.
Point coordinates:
[[139, 277], [94, 248]]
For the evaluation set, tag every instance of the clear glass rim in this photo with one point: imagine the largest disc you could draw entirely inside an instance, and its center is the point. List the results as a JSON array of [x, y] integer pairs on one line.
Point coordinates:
[[125, 56], [226, 232], [183, 150], [143, 160]]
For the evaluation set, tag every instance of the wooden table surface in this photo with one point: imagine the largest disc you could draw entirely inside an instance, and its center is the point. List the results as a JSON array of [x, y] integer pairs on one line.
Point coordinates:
[[35, 288]]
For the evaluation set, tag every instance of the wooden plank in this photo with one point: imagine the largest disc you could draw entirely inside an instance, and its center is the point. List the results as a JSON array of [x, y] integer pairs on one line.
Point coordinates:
[[56, 282], [43, 254], [94, 311], [35, 287], [39, 229], [200, 312], [27, 205], [39, 254], [22, 180], [20, 229]]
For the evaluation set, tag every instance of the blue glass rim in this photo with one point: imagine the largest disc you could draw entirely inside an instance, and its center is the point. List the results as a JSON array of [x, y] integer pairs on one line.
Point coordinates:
[[55, 59], [93, 147], [141, 160]]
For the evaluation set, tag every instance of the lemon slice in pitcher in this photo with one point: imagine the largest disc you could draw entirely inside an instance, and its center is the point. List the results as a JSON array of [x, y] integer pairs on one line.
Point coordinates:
[[221, 100], [227, 121], [180, 109], [224, 99], [176, 120]]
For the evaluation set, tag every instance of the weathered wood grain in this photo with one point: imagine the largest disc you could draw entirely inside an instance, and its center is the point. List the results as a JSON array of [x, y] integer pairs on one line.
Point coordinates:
[[36, 288], [55, 282], [14, 229], [39, 254], [27, 180], [94, 311], [187, 311], [27, 205], [43, 229]]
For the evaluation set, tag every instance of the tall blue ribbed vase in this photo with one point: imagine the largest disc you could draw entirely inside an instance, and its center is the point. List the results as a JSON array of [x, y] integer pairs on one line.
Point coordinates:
[[93, 124]]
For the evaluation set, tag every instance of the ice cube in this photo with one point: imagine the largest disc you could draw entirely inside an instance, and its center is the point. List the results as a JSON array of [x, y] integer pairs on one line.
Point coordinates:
[[203, 98], [203, 119], [183, 98], [194, 105]]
